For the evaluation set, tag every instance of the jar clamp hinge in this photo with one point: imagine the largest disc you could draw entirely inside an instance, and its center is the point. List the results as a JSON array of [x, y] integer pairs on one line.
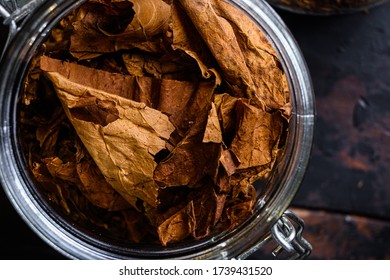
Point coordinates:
[[287, 232], [13, 11]]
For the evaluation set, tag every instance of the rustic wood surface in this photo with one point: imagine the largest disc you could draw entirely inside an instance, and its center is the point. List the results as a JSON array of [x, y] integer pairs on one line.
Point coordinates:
[[346, 191], [345, 197]]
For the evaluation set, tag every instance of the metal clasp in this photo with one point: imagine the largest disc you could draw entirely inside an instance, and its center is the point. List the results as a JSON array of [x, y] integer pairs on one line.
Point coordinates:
[[287, 232]]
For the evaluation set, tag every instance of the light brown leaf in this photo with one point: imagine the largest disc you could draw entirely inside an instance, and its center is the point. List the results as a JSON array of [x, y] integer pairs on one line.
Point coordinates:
[[239, 205], [93, 184], [257, 136], [192, 159], [123, 149], [186, 38], [208, 209], [167, 67], [213, 131], [109, 26], [246, 58], [177, 224]]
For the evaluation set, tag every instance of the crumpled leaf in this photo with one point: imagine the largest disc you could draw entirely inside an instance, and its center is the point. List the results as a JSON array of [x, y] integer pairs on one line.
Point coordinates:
[[208, 210], [123, 147], [213, 131], [185, 37], [229, 161], [247, 61], [226, 106], [45, 179], [64, 171], [107, 26], [188, 105], [191, 159], [257, 135], [239, 205], [87, 177], [162, 67], [177, 224], [197, 218], [47, 135], [181, 100], [93, 184]]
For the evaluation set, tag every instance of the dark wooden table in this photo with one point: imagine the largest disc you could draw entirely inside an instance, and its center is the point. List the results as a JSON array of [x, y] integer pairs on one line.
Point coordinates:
[[345, 196]]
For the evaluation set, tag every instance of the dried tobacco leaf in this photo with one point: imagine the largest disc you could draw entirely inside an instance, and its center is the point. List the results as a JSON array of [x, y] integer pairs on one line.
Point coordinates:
[[161, 67], [185, 37], [257, 135], [108, 26], [93, 184], [213, 131], [192, 159], [180, 106], [125, 158], [177, 226], [197, 218], [239, 204], [246, 58]]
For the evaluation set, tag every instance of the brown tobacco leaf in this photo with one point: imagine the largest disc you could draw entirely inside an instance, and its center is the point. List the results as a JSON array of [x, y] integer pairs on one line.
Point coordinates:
[[197, 218], [125, 86], [45, 179], [188, 105], [181, 100], [208, 210], [248, 62], [191, 159], [185, 37], [213, 131], [163, 67], [177, 224], [93, 184], [188, 163], [256, 140], [255, 135], [239, 205], [47, 135], [87, 177], [229, 161], [64, 171], [109, 26], [124, 148], [226, 105]]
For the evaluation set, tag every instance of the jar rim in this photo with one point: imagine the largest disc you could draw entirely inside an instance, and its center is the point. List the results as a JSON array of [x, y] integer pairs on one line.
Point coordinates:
[[254, 231]]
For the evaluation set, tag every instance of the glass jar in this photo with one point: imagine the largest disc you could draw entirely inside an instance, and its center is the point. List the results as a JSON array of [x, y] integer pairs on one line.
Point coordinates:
[[325, 7], [270, 218]]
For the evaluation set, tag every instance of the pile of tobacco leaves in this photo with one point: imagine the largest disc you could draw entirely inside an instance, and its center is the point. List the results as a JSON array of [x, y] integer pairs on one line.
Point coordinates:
[[151, 119]]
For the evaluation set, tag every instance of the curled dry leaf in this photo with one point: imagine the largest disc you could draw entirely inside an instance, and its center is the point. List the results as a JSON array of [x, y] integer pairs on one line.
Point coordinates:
[[93, 184], [177, 226], [247, 61], [185, 37], [164, 67], [256, 137], [124, 158], [108, 26]]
